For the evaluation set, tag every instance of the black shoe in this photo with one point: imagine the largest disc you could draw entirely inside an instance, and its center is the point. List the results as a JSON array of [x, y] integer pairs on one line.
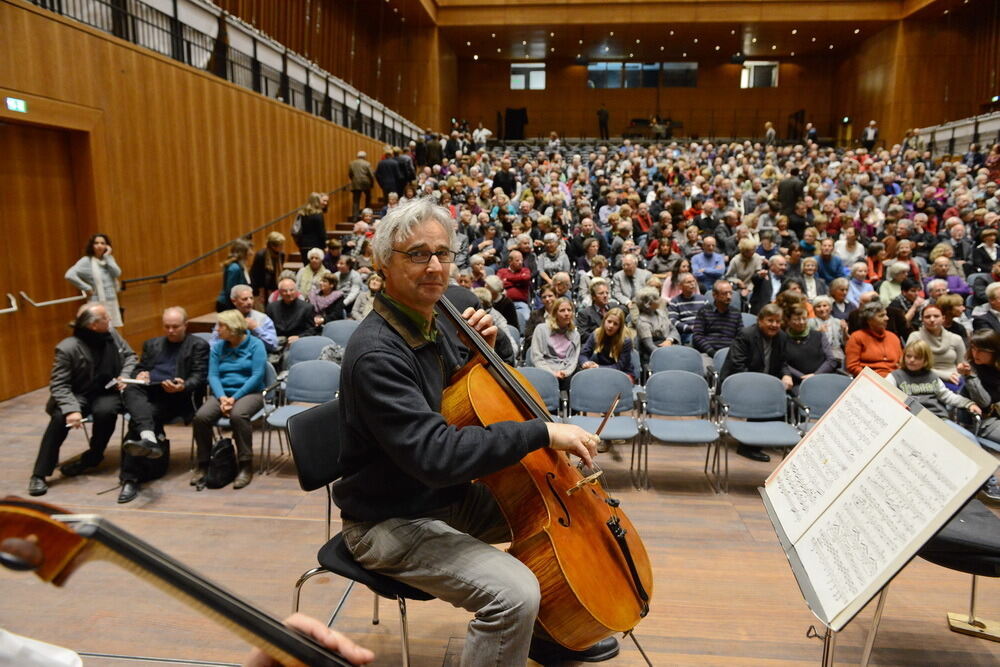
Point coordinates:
[[74, 468], [149, 449], [199, 474], [130, 490], [37, 486], [549, 653], [753, 453], [990, 490]]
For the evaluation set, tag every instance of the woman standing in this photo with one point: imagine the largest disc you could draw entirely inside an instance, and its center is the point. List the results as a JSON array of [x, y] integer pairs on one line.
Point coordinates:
[[609, 346], [555, 345], [266, 267], [312, 226], [234, 272], [96, 273], [236, 368]]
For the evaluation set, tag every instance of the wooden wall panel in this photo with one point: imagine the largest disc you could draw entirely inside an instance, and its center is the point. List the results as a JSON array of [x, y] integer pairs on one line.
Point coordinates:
[[717, 107], [169, 161]]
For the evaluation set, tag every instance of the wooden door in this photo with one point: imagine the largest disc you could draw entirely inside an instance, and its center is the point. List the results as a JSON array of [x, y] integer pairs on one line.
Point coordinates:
[[42, 237]]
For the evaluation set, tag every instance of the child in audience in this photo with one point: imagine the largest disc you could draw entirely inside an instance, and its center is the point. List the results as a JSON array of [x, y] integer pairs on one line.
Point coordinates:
[[916, 378]]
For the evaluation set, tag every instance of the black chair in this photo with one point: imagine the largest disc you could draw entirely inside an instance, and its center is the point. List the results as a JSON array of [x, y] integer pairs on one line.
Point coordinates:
[[969, 543], [314, 438]]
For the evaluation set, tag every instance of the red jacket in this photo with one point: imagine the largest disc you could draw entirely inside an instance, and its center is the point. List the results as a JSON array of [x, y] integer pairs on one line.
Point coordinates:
[[516, 284]]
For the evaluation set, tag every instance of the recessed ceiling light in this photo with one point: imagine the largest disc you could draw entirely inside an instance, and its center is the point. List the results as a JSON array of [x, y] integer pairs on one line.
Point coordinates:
[[581, 41], [552, 34], [795, 31], [631, 55], [695, 40], [857, 30], [671, 33], [493, 35], [774, 46], [523, 43], [498, 50], [946, 12], [754, 40], [793, 53], [606, 49], [578, 55], [395, 10], [814, 39], [637, 41], [475, 56], [831, 46], [468, 43], [684, 55], [552, 50], [612, 33], [661, 48], [732, 32], [717, 47]]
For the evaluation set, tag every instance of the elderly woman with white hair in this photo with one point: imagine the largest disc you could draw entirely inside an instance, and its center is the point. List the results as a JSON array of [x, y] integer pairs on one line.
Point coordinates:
[[892, 286], [552, 260], [308, 276], [814, 285]]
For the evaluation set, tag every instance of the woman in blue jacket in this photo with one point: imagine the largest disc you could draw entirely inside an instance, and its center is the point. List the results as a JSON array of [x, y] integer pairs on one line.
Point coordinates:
[[236, 368]]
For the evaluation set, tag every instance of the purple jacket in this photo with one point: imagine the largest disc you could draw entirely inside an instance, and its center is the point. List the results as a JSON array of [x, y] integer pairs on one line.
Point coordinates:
[[955, 285]]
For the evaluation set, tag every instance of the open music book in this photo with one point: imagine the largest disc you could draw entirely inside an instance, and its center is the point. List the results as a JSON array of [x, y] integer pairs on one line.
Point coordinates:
[[871, 482]]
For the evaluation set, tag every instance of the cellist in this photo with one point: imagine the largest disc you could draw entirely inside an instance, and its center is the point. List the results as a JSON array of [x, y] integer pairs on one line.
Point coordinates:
[[409, 508]]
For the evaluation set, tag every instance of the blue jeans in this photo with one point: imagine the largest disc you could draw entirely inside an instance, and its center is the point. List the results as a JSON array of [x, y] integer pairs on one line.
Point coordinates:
[[448, 555]]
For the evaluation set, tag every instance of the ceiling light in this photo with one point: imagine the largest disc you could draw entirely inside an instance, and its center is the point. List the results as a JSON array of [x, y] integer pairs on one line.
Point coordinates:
[[552, 50], [498, 50], [493, 35], [475, 56], [814, 39], [523, 43], [774, 46], [695, 40], [578, 55], [637, 41], [857, 30], [946, 12], [717, 47], [671, 33], [631, 55], [612, 33], [795, 31], [793, 53], [684, 55], [581, 41], [395, 10], [606, 49], [754, 40], [661, 48], [732, 32], [468, 43], [831, 46], [552, 34]]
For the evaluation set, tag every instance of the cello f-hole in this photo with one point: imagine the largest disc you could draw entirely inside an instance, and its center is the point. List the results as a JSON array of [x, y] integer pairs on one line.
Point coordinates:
[[565, 520]]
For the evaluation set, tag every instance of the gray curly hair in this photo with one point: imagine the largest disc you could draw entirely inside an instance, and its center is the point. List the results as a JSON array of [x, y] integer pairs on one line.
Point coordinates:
[[399, 224]]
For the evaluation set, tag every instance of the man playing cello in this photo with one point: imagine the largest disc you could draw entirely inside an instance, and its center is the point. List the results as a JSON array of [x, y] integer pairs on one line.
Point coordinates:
[[409, 508]]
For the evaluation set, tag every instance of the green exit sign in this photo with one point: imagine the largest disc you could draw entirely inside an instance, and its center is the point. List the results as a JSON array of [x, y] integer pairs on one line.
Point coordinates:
[[14, 104]]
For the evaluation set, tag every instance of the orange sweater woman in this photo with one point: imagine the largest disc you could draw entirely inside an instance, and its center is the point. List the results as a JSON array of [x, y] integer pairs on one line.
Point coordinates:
[[873, 345]]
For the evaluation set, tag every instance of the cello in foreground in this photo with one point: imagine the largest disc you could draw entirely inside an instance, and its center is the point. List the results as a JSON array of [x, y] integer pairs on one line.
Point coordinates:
[[592, 568]]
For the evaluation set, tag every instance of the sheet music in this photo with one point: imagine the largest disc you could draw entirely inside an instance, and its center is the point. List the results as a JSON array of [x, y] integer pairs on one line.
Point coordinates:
[[832, 454], [896, 503]]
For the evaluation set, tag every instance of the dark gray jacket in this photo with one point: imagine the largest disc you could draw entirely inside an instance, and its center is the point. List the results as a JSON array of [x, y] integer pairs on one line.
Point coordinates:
[[73, 370]]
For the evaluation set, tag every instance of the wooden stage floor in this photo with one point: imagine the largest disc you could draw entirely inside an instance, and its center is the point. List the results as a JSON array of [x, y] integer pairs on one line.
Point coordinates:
[[724, 593]]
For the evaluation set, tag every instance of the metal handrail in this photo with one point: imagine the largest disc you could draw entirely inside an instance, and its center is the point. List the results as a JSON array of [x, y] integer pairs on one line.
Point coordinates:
[[13, 305], [83, 296], [164, 277]]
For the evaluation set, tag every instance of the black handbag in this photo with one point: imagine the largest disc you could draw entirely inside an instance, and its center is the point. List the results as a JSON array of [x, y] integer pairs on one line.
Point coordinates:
[[221, 465]]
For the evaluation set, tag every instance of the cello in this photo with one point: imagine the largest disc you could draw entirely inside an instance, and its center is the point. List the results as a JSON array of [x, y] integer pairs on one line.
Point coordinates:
[[592, 568]]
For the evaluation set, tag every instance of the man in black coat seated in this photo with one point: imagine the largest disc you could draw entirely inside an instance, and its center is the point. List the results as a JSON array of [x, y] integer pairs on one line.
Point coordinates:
[[759, 348], [591, 317], [293, 317], [175, 366]]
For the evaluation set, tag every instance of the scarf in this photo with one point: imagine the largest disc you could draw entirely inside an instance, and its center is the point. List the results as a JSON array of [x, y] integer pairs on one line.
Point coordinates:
[[320, 303], [799, 336], [107, 362], [96, 270]]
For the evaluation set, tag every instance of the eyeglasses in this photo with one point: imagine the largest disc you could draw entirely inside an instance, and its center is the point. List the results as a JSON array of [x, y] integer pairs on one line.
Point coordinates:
[[424, 256]]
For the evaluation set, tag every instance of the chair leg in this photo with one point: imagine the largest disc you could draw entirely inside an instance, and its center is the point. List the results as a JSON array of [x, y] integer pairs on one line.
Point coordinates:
[[969, 624], [306, 576], [870, 640], [375, 619], [404, 631]]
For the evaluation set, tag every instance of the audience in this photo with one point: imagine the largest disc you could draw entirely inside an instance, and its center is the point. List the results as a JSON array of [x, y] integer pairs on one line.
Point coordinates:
[[96, 273], [267, 266], [555, 344], [653, 328], [610, 345], [873, 345], [234, 272]]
